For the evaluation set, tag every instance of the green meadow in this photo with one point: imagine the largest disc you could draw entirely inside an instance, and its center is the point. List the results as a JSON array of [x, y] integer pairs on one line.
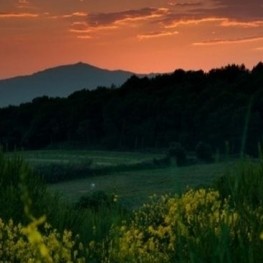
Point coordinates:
[[133, 186]]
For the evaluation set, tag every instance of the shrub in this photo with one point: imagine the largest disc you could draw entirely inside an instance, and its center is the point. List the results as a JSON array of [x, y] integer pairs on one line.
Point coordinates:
[[177, 151], [198, 227], [28, 244], [97, 200]]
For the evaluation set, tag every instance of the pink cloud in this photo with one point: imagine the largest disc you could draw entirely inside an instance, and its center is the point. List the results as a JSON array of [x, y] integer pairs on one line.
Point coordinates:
[[18, 15], [196, 21], [76, 14], [229, 41], [244, 24], [156, 35], [125, 16]]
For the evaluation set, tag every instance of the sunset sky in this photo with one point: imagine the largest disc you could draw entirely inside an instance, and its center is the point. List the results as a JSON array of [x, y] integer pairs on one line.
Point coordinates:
[[136, 35]]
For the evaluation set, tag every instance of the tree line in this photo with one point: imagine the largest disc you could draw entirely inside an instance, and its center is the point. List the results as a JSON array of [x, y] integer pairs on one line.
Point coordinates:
[[222, 106]]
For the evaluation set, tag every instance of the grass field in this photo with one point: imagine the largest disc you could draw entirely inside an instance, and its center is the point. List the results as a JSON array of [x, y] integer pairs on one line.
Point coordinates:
[[134, 187]]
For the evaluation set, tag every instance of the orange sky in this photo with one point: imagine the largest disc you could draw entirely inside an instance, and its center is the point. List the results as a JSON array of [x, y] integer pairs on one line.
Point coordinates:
[[139, 35]]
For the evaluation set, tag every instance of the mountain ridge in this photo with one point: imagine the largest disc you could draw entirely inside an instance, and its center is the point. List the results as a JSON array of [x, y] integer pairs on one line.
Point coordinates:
[[58, 81]]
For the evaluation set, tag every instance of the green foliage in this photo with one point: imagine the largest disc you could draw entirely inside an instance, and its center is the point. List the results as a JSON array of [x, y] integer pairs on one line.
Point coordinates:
[[97, 200], [14, 173], [28, 244], [197, 227], [177, 151], [22, 196], [16, 178], [243, 183]]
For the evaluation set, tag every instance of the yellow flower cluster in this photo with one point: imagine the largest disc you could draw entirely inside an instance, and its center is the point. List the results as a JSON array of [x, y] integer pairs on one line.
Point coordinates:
[[170, 224], [27, 244], [202, 208]]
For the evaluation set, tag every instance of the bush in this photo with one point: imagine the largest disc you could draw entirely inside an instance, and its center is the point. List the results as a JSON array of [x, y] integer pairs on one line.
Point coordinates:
[[28, 244], [198, 227], [177, 151], [96, 200], [204, 152]]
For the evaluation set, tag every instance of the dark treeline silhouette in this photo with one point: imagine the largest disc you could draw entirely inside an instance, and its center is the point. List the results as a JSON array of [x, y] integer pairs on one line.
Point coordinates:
[[223, 105]]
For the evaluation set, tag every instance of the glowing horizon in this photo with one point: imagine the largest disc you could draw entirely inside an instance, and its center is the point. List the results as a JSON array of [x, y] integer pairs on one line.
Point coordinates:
[[140, 36]]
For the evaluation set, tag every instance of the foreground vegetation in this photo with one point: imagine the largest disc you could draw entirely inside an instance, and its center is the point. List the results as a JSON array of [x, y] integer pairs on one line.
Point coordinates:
[[219, 223]]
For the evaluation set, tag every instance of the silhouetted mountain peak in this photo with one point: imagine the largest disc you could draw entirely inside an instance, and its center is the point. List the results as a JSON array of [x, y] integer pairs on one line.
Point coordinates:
[[58, 81]]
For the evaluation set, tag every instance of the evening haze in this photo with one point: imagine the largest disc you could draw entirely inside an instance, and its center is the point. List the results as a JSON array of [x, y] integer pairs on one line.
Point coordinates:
[[140, 36]]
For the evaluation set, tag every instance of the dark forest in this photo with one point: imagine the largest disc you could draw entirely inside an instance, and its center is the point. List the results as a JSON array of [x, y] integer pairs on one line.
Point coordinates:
[[222, 106]]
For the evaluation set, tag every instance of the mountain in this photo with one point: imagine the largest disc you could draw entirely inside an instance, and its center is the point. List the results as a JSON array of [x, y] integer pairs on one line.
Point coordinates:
[[58, 82]]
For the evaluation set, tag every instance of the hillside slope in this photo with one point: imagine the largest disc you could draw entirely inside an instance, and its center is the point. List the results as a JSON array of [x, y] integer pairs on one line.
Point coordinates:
[[58, 82]]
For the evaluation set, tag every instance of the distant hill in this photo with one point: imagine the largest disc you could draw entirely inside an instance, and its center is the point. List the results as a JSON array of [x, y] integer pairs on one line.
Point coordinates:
[[58, 82]]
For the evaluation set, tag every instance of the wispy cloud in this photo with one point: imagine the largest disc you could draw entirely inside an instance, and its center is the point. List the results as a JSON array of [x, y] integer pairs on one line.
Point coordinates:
[[240, 9], [94, 23], [245, 24], [84, 37], [75, 14], [229, 41], [18, 15], [185, 3], [125, 16], [157, 35], [218, 21], [196, 21], [25, 5], [83, 27]]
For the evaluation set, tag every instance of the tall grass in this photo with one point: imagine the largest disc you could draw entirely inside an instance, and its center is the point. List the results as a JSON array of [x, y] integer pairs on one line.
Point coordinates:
[[16, 176], [12, 170], [243, 183]]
